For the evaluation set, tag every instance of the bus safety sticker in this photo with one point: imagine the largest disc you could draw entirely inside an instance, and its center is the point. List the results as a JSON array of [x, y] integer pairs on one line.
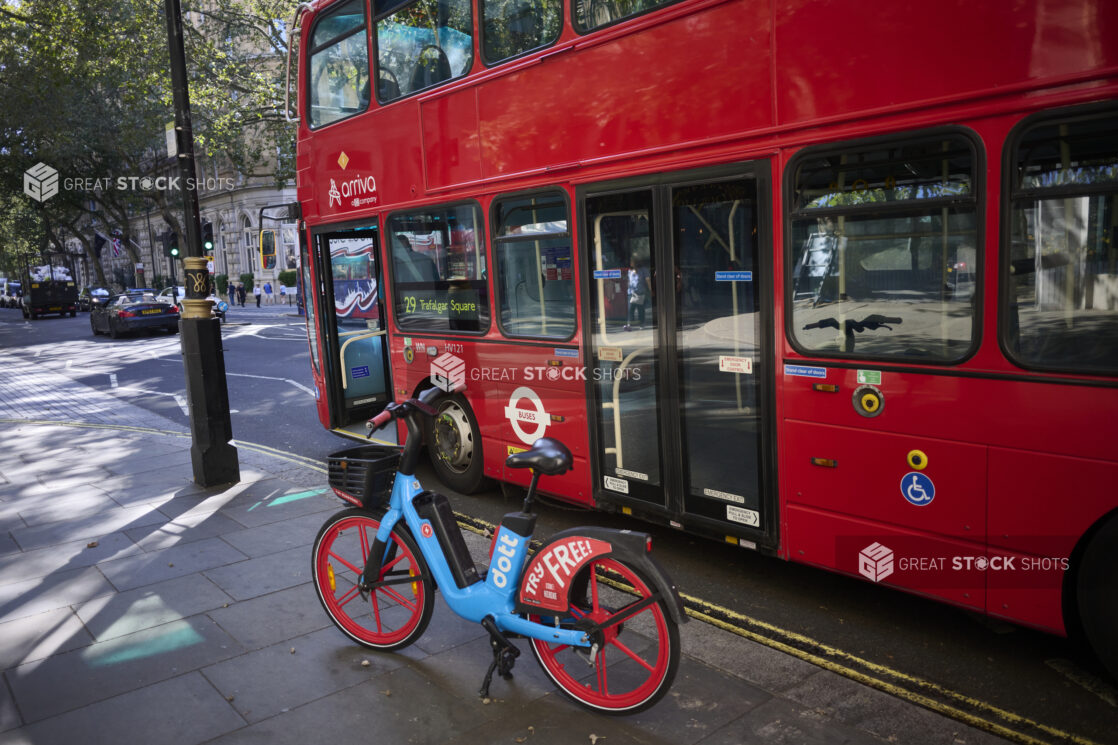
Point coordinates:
[[617, 485], [752, 518], [804, 371], [742, 365]]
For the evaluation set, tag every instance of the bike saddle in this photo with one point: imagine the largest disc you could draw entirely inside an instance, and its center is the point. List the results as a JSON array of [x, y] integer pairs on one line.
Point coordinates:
[[547, 456]]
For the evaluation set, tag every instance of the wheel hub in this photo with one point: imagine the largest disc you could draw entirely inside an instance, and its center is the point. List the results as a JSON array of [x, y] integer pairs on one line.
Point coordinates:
[[452, 438]]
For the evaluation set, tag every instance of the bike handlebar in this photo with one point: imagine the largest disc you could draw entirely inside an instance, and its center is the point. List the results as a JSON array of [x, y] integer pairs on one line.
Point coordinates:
[[421, 403]]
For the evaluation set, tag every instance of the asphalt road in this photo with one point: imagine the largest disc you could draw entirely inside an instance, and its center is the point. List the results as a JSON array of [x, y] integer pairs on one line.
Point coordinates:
[[1044, 688]]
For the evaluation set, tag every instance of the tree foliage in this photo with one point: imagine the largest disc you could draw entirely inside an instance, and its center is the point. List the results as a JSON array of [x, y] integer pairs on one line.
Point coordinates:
[[86, 89]]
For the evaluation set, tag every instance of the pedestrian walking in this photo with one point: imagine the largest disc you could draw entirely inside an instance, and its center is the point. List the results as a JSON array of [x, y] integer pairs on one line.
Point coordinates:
[[241, 293], [268, 292], [257, 294], [284, 297], [638, 291]]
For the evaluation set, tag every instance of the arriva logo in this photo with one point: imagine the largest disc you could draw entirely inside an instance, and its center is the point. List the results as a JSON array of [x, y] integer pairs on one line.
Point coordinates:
[[40, 182]]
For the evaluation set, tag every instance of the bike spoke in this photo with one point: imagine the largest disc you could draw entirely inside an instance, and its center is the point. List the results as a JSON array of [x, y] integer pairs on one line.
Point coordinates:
[[603, 688], [632, 655], [351, 567], [348, 596], [400, 599], [594, 590], [363, 536]]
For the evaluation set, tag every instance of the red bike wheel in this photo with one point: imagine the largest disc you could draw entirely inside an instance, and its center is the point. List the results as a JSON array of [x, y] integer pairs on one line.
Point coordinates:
[[388, 617], [638, 656]]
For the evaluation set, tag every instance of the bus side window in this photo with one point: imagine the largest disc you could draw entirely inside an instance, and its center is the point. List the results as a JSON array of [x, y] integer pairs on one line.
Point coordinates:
[[883, 250], [1061, 309], [534, 278], [511, 28], [422, 44], [438, 268]]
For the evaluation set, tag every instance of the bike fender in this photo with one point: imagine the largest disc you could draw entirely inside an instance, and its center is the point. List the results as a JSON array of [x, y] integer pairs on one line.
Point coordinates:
[[546, 583]]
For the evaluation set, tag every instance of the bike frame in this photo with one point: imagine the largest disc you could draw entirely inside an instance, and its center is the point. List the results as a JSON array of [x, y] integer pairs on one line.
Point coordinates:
[[492, 597]]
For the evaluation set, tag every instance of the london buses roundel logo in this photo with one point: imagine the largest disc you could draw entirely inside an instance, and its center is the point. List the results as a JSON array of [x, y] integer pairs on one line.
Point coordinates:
[[528, 423]]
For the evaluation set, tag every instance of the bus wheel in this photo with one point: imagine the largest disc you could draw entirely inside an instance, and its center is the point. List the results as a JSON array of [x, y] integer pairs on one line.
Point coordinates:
[[1097, 591], [454, 446]]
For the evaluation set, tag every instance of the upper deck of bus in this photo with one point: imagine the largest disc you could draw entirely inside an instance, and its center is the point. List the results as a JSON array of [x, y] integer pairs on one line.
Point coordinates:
[[681, 82]]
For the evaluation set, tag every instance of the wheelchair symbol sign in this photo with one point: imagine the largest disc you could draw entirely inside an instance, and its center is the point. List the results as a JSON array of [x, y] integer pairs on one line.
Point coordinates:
[[917, 488]]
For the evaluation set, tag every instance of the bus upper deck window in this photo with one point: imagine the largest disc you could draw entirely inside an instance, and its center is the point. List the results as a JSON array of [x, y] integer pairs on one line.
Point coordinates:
[[422, 44], [513, 27], [593, 14], [339, 65], [884, 251], [1060, 308]]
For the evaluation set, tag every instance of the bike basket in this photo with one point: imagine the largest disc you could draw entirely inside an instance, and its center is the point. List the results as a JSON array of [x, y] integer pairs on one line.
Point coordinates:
[[364, 475]]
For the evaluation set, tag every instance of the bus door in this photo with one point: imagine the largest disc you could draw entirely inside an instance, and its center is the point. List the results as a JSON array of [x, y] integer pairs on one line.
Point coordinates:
[[678, 390], [352, 324]]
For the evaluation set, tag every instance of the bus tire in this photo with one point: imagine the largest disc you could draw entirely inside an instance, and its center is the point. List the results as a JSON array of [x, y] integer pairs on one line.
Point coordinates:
[[454, 446], [1097, 593]]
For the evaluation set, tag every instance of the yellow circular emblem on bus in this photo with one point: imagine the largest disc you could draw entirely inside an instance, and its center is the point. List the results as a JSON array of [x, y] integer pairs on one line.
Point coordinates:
[[917, 460], [409, 354]]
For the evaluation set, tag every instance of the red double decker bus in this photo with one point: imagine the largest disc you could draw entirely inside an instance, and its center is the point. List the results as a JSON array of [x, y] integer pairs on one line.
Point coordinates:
[[835, 285]]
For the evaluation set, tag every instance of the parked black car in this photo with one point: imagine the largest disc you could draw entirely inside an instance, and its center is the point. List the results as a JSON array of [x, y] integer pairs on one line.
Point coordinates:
[[133, 311], [90, 296]]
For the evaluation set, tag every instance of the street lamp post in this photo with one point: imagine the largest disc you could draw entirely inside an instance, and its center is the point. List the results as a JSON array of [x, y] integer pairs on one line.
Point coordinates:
[[213, 457]]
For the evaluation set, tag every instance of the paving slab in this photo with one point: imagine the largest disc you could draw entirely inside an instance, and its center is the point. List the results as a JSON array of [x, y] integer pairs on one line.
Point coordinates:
[[57, 590], [185, 710], [40, 636], [400, 706], [149, 606], [155, 566], [266, 619], [75, 554], [295, 672], [94, 527], [106, 669], [253, 577]]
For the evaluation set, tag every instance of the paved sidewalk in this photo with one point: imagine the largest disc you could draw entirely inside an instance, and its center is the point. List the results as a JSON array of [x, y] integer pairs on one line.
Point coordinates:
[[137, 607]]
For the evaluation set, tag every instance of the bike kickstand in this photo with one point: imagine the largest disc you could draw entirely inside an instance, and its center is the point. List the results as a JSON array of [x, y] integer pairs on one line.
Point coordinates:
[[504, 655]]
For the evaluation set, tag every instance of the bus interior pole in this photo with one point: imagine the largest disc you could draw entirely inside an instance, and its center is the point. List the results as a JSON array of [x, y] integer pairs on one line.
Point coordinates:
[[213, 458]]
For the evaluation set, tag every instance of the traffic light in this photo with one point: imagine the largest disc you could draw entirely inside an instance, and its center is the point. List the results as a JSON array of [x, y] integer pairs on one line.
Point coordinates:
[[173, 245], [207, 237]]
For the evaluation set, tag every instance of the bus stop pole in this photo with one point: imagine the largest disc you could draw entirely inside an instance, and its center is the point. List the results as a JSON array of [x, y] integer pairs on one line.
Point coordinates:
[[213, 458]]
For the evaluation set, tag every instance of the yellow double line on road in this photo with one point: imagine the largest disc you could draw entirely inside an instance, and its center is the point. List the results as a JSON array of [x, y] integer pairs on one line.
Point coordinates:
[[924, 693]]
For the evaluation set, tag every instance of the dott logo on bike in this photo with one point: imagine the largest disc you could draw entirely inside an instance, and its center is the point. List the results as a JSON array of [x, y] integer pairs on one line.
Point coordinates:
[[506, 551], [918, 489], [552, 568]]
